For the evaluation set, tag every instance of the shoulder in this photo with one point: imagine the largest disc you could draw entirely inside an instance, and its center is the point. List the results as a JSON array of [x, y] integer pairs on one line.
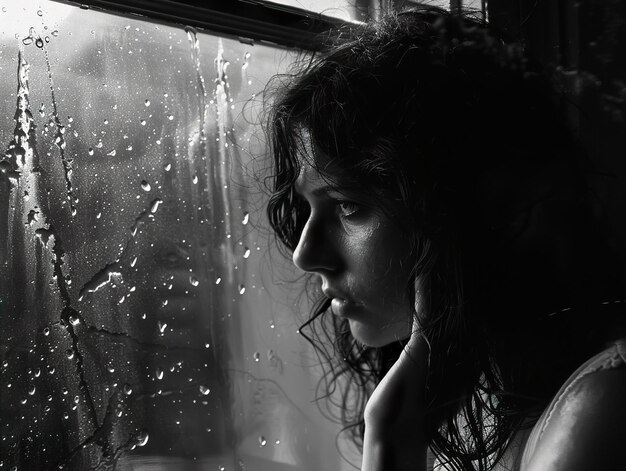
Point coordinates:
[[586, 426]]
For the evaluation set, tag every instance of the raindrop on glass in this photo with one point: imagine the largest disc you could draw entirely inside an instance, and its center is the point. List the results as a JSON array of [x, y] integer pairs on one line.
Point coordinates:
[[218, 281], [145, 185], [155, 205], [128, 390], [257, 357], [69, 353], [262, 441], [246, 252], [246, 218], [159, 373], [167, 167], [39, 43], [147, 102], [142, 438], [90, 151], [204, 390], [242, 289], [193, 280], [31, 390]]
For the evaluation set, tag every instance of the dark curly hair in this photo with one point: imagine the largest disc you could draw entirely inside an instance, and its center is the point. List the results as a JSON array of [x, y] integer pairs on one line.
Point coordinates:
[[435, 113]]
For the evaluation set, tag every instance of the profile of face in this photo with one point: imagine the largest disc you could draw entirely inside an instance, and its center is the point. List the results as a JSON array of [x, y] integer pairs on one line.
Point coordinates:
[[361, 256]]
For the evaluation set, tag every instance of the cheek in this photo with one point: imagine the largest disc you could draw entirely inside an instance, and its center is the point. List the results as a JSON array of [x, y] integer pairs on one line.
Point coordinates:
[[389, 264]]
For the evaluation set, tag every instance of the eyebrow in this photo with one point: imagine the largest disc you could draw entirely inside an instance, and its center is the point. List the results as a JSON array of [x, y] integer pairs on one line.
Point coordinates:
[[319, 191]]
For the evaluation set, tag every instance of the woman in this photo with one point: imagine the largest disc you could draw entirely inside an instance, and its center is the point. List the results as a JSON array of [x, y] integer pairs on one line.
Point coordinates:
[[424, 177]]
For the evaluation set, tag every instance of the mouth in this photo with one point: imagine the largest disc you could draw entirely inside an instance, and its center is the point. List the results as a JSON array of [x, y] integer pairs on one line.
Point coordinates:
[[341, 304]]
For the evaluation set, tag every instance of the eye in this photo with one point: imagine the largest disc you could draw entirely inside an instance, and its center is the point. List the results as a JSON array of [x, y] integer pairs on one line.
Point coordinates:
[[347, 208]]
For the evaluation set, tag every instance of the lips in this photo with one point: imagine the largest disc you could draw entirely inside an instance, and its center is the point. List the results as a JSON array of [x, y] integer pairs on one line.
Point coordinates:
[[341, 305]]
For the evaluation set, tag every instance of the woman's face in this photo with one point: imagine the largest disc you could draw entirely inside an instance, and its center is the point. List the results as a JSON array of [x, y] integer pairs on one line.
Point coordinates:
[[362, 257]]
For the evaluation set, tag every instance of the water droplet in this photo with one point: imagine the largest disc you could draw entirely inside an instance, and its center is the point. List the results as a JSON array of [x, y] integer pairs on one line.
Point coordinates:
[[90, 151], [69, 353], [27, 41], [55, 33], [46, 331], [206, 345], [195, 179], [129, 147], [167, 167], [99, 144], [193, 280], [112, 153], [143, 122], [242, 289], [246, 218], [155, 205], [128, 389], [39, 43], [246, 252], [159, 373], [31, 390], [147, 102], [204, 390], [262, 441], [162, 326], [74, 320], [257, 357], [39, 13], [145, 185], [218, 281], [110, 369], [134, 262], [142, 438]]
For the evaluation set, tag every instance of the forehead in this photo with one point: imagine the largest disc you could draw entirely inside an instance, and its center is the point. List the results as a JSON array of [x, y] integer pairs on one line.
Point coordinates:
[[310, 179]]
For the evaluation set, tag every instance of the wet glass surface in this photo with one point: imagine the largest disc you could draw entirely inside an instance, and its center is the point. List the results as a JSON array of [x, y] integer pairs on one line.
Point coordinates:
[[140, 327]]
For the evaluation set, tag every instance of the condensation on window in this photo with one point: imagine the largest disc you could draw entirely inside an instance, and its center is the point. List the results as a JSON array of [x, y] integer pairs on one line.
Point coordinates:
[[140, 329]]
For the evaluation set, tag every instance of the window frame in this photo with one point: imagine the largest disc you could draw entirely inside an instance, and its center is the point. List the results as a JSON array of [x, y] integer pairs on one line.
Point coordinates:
[[249, 21]]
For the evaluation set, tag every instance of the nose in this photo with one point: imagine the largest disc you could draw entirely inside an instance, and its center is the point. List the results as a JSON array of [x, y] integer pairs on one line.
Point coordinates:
[[317, 250]]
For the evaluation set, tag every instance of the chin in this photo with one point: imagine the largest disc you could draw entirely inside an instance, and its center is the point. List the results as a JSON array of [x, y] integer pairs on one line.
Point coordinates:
[[377, 337]]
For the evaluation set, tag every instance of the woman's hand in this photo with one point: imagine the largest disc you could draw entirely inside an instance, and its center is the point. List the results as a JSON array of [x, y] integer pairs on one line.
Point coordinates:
[[395, 438]]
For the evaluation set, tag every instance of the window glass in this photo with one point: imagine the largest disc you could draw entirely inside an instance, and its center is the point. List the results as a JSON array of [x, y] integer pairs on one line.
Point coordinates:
[[140, 324]]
